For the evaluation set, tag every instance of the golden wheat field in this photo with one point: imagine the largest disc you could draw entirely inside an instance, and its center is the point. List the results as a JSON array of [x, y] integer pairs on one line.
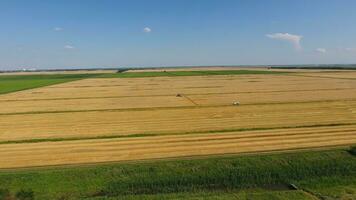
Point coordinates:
[[109, 150], [118, 119]]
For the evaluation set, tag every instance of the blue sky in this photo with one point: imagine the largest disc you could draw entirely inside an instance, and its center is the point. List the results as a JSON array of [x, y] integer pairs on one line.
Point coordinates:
[[133, 33]]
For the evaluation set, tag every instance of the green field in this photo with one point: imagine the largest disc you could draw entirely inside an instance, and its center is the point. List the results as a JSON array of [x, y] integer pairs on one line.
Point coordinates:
[[236, 195], [323, 173], [13, 83]]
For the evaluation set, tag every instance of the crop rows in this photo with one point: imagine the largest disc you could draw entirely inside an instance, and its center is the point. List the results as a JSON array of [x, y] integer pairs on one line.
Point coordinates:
[[105, 150], [110, 87], [168, 121], [108, 119]]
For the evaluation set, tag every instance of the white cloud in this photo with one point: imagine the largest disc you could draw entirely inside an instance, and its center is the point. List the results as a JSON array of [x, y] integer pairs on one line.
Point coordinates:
[[19, 48], [69, 46], [349, 49], [346, 50], [294, 39], [147, 29], [58, 29], [320, 50]]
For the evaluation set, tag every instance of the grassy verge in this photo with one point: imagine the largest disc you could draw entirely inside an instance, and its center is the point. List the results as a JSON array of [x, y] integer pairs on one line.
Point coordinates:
[[186, 73], [13, 83], [269, 172], [331, 187]]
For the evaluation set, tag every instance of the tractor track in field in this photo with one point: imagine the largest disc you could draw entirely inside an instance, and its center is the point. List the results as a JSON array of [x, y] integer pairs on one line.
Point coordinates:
[[169, 95], [194, 106]]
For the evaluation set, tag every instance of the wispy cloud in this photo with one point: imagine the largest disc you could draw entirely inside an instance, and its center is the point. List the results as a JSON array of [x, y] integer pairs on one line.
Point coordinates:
[[294, 39], [320, 50], [349, 49], [147, 30], [69, 46], [58, 29]]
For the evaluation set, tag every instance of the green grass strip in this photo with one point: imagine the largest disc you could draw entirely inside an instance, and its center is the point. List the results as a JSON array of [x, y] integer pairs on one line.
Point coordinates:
[[189, 176]]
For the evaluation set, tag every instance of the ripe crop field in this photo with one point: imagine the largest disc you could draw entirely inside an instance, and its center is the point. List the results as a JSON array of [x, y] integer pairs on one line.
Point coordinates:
[[100, 119], [173, 120], [147, 116], [154, 147], [342, 75]]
